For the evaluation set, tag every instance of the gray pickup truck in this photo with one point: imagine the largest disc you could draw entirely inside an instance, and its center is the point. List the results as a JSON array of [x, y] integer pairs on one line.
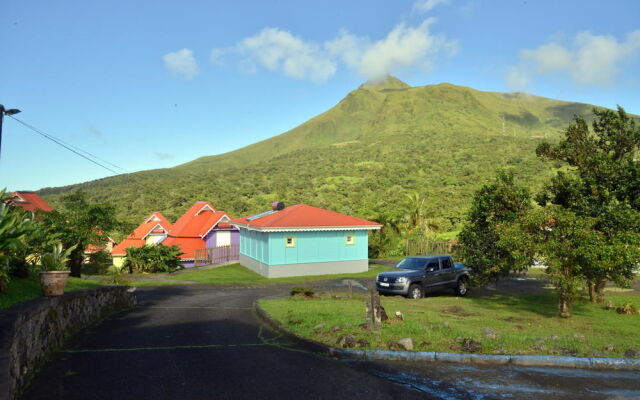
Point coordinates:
[[414, 276]]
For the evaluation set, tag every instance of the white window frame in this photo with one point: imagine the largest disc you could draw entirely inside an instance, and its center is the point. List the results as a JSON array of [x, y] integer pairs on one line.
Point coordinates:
[[350, 242], [293, 241]]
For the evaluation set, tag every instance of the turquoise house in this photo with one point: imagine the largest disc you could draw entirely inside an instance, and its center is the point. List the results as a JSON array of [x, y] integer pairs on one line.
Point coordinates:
[[303, 240]]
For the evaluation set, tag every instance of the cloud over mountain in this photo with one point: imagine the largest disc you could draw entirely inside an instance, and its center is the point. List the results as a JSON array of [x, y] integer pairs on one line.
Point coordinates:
[[274, 49]]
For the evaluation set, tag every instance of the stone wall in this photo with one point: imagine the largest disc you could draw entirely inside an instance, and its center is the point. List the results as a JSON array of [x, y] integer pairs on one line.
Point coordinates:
[[31, 331]]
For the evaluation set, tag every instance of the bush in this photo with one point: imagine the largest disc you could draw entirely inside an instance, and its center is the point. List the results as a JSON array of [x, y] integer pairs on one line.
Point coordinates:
[[100, 261], [158, 258], [302, 291], [627, 309]]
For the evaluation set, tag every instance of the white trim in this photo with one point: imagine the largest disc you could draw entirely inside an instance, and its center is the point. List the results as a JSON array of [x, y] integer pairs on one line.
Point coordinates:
[[206, 206], [153, 229], [151, 218], [307, 229], [224, 216], [286, 241]]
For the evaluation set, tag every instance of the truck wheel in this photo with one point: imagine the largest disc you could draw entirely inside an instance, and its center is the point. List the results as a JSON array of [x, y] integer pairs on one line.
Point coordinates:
[[462, 287], [415, 292]]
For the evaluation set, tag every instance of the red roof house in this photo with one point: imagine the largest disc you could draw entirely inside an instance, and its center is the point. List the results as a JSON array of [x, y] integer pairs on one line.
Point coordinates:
[[153, 230], [29, 201], [201, 227], [303, 240]]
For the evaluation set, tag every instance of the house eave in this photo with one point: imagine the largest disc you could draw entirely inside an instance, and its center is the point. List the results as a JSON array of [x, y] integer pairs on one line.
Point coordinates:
[[307, 228]]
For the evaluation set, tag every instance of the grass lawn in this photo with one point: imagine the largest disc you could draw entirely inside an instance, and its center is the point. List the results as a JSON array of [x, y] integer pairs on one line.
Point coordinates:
[[25, 289], [237, 274], [524, 324]]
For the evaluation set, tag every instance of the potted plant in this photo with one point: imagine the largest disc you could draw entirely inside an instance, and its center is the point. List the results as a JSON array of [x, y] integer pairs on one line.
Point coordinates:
[[54, 273]]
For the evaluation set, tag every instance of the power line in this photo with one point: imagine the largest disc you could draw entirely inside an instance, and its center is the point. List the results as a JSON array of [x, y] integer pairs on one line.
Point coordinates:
[[71, 147]]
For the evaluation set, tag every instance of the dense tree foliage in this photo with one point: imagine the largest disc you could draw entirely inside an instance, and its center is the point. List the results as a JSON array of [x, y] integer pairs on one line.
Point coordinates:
[[603, 184], [363, 157], [15, 225], [494, 205], [148, 258], [78, 223], [565, 241]]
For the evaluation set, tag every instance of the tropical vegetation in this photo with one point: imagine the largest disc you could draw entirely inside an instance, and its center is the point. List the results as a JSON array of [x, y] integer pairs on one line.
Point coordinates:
[[156, 258], [586, 226], [380, 152]]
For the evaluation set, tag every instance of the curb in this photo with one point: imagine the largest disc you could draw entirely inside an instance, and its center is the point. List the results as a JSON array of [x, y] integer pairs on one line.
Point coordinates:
[[631, 364]]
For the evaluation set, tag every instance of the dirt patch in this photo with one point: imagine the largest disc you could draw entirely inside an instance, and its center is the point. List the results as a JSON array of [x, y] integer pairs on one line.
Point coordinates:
[[514, 319], [456, 310]]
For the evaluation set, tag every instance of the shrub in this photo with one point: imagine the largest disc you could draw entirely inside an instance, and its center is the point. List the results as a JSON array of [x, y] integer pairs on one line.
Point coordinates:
[[302, 291], [158, 258], [628, 309]]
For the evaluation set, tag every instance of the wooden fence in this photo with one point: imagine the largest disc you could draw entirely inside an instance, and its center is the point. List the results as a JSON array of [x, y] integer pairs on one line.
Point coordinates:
[[422, 247], [216, 255]]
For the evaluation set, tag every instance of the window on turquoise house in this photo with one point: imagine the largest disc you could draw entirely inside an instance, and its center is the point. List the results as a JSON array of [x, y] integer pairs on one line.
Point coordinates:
[[290, 241], [350, 239]]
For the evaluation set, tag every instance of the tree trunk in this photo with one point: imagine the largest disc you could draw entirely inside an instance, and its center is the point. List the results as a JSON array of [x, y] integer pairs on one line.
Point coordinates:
[[592, 290], [75, 261], [599, 289], [564, 305]]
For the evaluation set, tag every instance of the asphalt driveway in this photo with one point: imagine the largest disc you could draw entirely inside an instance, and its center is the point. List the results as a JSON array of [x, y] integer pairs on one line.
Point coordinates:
[[203, 342]]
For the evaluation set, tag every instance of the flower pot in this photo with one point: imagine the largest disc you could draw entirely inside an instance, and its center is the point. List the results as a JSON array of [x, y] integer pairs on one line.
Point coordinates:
[[53, 282]]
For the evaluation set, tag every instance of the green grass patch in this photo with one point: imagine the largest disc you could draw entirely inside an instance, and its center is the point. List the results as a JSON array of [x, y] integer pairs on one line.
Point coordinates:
[[237, 274], [501, 324], [26, 289]]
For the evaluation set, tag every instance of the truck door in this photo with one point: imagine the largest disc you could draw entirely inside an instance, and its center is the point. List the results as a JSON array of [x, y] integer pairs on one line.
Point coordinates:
[[447, 272], [432, 274]]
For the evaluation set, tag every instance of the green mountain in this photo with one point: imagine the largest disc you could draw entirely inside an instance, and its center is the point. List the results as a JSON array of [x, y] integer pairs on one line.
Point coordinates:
[[381, 142]]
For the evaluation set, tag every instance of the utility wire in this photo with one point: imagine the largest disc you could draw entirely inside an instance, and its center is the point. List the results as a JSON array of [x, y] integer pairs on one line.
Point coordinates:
[[78, 151]]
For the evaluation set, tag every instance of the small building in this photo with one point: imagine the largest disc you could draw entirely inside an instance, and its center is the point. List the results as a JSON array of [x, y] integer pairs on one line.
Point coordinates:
[[153, 230], [29, 201], [202, 228], [304, 240]]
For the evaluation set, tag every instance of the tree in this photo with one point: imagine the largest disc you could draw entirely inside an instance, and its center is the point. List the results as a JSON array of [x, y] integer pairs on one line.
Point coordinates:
[[499, 202], [148, 258], [79, 223], [603, 183], [563, 240], [15, 224]]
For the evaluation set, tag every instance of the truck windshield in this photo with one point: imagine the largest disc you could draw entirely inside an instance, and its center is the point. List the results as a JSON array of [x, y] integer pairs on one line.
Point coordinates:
[[412, 263]]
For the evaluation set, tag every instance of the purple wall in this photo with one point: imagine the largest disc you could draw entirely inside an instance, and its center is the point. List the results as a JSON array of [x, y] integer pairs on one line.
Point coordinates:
[[235, 237], [187, 264], [210, 239]]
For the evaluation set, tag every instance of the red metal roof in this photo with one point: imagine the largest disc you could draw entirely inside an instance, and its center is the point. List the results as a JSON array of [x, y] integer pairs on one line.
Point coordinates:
[[137, 237], [189, 231], [302, 215], [29, 201], [197, 221]]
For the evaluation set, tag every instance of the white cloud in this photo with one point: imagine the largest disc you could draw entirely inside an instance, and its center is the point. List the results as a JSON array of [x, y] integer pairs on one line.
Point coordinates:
[[402, 48], [589, 60], [427, 5], [277, 50], [181, 63]]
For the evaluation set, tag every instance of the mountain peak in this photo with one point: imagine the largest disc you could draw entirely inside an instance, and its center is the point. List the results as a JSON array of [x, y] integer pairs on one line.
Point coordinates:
[[387, 82]]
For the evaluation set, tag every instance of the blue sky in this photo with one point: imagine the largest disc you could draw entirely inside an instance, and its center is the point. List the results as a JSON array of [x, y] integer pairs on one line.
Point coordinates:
[[153, 84]]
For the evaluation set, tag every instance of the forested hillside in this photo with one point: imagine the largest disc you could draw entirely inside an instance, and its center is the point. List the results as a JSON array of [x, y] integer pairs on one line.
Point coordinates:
[[362, 157]]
